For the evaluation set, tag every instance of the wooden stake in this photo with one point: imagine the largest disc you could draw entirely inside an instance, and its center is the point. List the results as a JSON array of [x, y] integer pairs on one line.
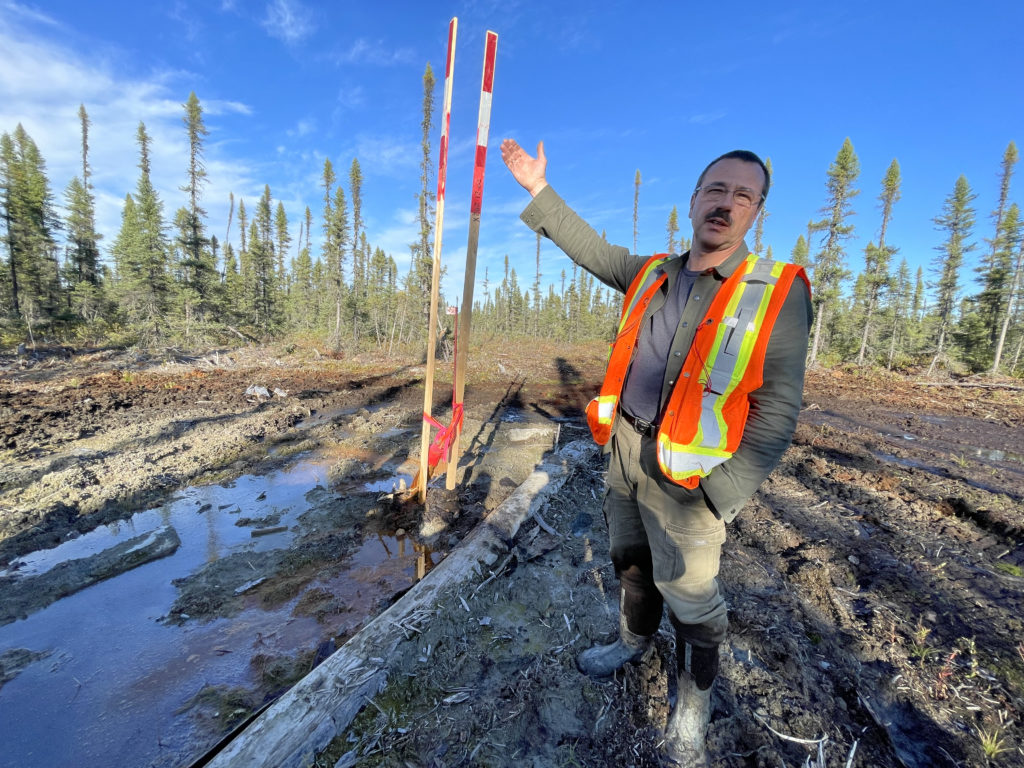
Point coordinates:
[[435, 279], [483, 127]]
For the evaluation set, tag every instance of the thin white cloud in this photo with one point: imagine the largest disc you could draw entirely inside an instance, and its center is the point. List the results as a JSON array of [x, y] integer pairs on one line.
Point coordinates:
[[396, 235], [352, 98], [304, 127], [183, 15], [376, 53], [288, 20], [387, 156], [706, 118], [225, 107], [26, 14]]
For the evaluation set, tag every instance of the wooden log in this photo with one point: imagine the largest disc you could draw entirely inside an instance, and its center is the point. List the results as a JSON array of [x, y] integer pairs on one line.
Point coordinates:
[[25, 595], [303, 722], [977, 385]]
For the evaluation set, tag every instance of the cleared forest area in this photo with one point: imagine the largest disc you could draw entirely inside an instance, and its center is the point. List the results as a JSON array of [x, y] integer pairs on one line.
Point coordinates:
[[875, 583]]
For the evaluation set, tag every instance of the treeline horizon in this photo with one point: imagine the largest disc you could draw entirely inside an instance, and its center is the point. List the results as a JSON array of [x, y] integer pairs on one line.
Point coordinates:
[[169, 281]]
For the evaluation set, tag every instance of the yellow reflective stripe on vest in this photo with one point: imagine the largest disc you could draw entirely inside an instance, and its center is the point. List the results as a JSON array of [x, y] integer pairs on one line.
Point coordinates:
[[734, 343], [679, 461], [650, 274], [723, 371], [601, 410], [606, 408]]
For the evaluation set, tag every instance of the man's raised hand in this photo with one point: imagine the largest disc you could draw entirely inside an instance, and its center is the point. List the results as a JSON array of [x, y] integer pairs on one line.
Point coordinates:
[[528, 171]]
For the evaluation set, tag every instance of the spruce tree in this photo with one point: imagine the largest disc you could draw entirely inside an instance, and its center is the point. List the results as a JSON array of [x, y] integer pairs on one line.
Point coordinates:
[[762, 216], [31, 223], [358, 293], [262, 256], [339, 236], [1000, 283], [245, 306], [127, 242], [381, 285], [233, 291], [421, 269], [829, 267], [147, 280], [994, 275], [1013, 300], [957, 221], [877, 258], [282, 242], [800, 253], [536, 290], [899, 308], [1010, 158], [301, 300], [82, 260], [198, 272], [329, 248], [82, 267], [982, 321], [672, 227], [636, 210]]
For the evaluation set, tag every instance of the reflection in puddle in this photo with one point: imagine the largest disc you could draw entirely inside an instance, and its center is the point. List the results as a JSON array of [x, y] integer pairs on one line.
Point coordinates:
[[996, 455], [903, 461], [381, 554], [388, 484], [206, 515], [333, 414], [114, 688]]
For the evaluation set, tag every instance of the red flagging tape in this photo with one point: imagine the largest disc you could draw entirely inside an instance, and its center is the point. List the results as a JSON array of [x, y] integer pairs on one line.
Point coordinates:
[[445, 437]]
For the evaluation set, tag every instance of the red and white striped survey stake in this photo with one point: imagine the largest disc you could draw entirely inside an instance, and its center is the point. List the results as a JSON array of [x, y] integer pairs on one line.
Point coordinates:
[[435, 278], [483, 128]]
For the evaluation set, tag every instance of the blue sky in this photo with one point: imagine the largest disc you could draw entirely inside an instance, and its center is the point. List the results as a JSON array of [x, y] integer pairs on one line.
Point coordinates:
[[611, 87]]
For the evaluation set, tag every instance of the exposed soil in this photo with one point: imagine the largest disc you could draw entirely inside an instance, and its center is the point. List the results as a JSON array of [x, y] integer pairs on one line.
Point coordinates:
[[875, 583]]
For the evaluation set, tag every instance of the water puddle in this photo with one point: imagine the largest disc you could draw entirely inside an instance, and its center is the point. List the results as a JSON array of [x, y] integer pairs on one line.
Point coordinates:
[[207, 516], [388, 484], [333, 414], [116, 679], [996, 455], [903, 461]]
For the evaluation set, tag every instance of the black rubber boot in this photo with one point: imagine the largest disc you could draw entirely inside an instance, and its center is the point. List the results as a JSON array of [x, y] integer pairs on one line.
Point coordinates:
[[687, 730], [697, 666], [604, 660]]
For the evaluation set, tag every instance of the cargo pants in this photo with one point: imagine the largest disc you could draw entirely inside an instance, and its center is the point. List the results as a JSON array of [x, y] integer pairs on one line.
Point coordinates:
[[665, 544]]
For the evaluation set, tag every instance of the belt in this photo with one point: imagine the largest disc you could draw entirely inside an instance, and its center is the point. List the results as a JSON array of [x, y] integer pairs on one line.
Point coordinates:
[[645, 428]]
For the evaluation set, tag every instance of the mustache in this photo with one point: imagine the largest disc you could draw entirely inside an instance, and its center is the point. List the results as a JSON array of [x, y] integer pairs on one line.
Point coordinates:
[[720, 213]]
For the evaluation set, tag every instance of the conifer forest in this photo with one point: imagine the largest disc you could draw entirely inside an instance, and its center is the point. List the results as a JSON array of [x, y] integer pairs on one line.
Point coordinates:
[[167, 278]]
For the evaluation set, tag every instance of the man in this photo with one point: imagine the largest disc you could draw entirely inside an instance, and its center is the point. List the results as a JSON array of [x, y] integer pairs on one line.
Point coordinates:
[[698, 405]]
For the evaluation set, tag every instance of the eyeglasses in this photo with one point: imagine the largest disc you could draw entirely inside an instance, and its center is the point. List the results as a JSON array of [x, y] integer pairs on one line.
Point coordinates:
[[742, 196]]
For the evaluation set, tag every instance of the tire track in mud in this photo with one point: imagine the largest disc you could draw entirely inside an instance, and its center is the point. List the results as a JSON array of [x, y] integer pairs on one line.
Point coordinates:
[[901, 623]]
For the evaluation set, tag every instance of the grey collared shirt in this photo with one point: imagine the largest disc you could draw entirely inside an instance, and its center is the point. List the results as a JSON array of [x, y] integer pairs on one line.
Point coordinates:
[[641, 394]]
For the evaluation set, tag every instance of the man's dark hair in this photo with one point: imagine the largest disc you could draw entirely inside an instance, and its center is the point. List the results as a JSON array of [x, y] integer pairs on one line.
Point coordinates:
[[747, 157]]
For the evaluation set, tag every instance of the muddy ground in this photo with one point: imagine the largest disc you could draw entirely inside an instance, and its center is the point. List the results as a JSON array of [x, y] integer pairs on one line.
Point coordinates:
[[876, 583]]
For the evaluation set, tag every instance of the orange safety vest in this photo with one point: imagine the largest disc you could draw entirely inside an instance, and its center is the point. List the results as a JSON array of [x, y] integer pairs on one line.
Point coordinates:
[[703, 421]]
